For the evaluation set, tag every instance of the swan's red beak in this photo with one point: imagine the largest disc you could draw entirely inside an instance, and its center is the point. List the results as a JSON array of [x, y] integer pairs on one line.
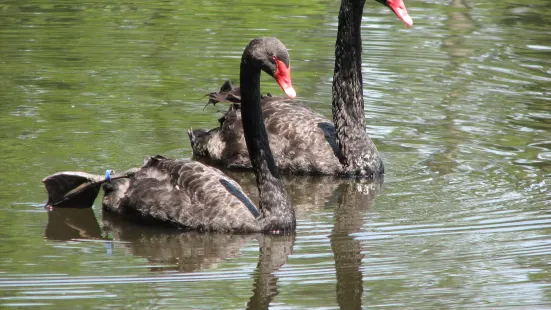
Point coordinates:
[[399, 8], [283, 78]]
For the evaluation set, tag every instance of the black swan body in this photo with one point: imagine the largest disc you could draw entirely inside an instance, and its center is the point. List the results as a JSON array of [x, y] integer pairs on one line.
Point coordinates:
[[190, 194], [303, 141]]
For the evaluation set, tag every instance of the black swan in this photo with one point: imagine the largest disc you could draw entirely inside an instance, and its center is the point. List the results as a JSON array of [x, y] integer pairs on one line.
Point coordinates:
[[189, 194], [303, 141]]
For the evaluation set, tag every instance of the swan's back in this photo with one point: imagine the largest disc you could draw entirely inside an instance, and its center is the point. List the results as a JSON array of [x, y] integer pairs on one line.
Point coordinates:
[[302, 141], [183, 193], [305, 141]]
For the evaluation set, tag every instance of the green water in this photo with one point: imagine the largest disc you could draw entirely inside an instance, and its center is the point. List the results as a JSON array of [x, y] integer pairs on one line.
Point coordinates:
[[459, 105]]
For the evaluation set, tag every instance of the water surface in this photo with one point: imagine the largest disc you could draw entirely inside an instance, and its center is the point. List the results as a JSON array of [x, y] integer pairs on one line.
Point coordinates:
[[459, 106]]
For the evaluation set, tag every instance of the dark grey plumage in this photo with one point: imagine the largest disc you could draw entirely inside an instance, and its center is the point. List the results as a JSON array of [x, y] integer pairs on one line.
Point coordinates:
[[303, 141], [182, 193], [194, 196]]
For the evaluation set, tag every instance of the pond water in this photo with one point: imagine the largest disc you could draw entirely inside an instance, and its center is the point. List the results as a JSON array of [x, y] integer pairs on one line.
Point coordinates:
[[459, 106]]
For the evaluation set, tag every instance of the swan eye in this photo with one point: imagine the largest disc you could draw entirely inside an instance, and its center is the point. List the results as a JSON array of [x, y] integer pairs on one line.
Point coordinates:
[[274, 57]]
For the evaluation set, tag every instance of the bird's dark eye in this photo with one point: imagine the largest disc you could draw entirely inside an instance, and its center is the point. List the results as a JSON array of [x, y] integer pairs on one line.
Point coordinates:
[[274, 57]]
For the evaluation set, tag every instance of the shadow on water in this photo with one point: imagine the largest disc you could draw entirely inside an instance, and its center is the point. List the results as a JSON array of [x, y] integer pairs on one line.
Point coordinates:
[[172, 250]]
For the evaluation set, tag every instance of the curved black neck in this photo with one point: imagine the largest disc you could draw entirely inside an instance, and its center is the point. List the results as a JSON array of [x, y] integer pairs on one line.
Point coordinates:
[[276, 212], [348, 102]]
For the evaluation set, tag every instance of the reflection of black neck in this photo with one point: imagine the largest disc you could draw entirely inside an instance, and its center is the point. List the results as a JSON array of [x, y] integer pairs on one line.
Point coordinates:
[[274, 251], [346, 249], [275, 207]]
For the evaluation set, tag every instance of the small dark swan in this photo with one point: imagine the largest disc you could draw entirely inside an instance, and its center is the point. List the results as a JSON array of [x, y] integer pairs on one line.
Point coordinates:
[[303, 141], [189, 194]]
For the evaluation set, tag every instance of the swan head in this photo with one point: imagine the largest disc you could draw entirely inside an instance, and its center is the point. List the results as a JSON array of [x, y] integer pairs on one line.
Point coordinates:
[[399, 8], [272, 57]]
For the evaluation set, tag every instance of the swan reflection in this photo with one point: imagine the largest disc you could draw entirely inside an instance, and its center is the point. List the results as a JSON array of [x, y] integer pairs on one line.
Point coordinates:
[[168, 249], [354, 200]]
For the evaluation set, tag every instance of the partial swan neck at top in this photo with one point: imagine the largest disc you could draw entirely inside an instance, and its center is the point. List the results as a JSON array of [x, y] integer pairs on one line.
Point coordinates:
[[276, 212], [348, 104]]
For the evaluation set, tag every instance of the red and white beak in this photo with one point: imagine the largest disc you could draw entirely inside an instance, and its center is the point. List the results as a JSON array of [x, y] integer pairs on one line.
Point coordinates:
[[283, 78], [399, 8]]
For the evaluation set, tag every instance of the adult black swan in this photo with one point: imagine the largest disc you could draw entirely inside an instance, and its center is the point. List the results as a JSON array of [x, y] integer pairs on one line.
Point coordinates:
[[303, 141], [192, 195]]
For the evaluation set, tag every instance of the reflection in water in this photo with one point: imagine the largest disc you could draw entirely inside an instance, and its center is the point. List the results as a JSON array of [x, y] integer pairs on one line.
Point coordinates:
[[306, 191], [354, 200], [72, 223], [274, 251], [460, 25], [171, 249], [167, 248]]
